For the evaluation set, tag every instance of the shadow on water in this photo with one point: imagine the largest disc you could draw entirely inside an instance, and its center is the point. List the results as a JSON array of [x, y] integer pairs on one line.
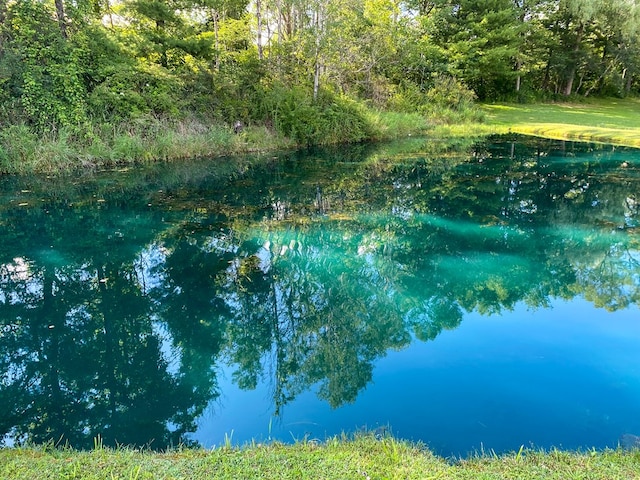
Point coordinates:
[[124, 295]]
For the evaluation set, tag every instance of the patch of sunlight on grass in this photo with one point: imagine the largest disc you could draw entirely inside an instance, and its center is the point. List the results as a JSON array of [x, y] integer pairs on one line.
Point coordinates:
[[604, 121]]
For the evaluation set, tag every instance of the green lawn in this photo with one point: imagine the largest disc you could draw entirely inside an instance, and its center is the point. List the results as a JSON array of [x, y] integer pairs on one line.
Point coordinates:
[[614, 121], [361, 459]]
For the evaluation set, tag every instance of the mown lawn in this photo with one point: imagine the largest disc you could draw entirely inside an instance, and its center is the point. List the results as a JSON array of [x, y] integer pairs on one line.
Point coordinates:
[[362, 458], [615, 121]]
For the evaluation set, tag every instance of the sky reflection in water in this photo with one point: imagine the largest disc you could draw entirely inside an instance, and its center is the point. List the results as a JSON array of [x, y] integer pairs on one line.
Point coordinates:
[[467, 296], [566, 376]]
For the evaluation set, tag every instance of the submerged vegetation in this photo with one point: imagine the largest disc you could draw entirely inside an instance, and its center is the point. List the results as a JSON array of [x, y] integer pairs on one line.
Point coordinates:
[[364, 457]]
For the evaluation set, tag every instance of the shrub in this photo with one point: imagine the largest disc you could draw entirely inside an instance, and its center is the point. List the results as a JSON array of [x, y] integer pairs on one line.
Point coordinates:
[[328, 120], [450, 93], [136, 90], [51, 91]]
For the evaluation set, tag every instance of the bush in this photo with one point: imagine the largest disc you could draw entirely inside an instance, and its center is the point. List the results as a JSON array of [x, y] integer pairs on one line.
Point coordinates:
[[330, 119], [136, 90], [447, 101], [235, 88], [51, 92], [450, 93]]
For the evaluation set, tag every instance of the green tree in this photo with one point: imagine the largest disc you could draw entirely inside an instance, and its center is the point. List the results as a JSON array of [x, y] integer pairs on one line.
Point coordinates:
[[483, 42], [591, 38], [49, 74]]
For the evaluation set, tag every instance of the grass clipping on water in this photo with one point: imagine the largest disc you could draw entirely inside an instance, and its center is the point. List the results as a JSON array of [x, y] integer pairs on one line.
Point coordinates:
[[364, 457]]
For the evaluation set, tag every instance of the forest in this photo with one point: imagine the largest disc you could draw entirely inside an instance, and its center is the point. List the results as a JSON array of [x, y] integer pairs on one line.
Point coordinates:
[[106, 74]]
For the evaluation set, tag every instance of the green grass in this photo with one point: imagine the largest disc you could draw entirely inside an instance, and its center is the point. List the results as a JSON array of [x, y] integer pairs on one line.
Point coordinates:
[[615, 121], [149, 140], [362, 458]]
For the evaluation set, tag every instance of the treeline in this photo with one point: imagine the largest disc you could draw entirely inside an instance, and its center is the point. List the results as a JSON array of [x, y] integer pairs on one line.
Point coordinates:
[[310, 70]]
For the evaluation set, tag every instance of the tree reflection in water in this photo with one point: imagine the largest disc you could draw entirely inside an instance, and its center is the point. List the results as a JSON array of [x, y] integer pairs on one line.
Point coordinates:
[[121, 298]]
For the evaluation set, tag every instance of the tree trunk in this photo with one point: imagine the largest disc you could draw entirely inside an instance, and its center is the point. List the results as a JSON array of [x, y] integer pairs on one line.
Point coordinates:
[[110, 13], [215, 17], [571, 75], [259, 33], [268, 27], [546, 80], [316, 66], [279, 25], [164, 59], [62, 22], [3, 15], [425, 7], [521, 18], [569, 85]]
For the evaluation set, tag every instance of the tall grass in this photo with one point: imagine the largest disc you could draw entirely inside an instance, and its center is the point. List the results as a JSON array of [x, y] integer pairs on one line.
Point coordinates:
[[18, 147], [391, 125], [23, 149], [285, 117]]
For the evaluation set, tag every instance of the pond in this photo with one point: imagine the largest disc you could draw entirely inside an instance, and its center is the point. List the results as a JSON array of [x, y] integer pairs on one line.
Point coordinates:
[[469, 296]]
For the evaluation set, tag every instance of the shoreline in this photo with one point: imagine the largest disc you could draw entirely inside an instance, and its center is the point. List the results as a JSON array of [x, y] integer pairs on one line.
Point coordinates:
[[360, 457], [24, 151]]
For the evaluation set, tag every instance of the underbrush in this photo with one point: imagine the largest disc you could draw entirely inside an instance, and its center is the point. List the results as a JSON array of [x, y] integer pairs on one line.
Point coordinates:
[[283, 118]]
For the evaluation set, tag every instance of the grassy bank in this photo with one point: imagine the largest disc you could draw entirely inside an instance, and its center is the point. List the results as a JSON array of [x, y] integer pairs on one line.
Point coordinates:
[[148, 139], [362, 458], [25, 150], [615, 121]]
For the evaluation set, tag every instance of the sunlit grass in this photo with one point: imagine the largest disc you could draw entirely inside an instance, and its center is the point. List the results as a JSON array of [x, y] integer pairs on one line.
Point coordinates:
[[392, 125], [615, 121], [365, 457], [148, 140]]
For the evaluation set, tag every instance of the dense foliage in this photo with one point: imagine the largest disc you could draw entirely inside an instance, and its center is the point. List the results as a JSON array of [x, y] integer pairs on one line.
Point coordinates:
[[306, 69]]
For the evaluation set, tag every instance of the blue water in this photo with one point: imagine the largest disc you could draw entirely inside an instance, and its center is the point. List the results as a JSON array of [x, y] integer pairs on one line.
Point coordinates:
[[471, 297], [567, 377]]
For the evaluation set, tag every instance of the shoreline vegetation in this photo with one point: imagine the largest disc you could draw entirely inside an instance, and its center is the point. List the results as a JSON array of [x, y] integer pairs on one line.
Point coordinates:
[[88, 85], [148, 140], [24, 150], [362, 457]]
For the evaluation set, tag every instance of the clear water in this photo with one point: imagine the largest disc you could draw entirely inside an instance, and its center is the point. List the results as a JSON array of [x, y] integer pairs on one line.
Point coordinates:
[[471, 297]]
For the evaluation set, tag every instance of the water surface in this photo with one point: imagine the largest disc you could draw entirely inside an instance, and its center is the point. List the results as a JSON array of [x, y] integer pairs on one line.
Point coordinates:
[[471, 297]]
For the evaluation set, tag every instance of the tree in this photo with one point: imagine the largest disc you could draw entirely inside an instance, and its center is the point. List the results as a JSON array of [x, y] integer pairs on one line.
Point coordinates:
[[483, 41], [589, 34], [49, 76]]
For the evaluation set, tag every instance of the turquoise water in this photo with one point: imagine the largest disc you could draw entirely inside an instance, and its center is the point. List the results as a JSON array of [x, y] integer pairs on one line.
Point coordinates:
[[472, 297]]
